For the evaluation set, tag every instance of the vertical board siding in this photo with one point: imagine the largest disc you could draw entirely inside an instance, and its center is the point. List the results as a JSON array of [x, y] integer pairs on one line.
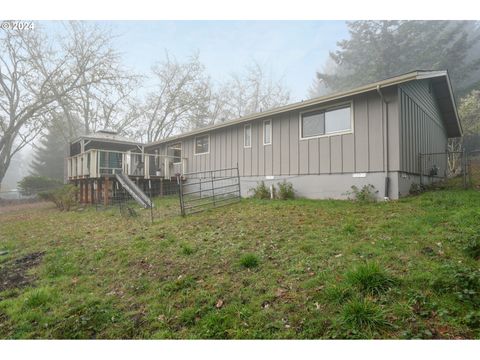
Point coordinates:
[[285, 148], [294, 143], [313, 162], [277, 154], [361, 134], [421, 124], [360, 151], [375, 134], [348, 153], [325, 158], [303, 155], [336, 154]]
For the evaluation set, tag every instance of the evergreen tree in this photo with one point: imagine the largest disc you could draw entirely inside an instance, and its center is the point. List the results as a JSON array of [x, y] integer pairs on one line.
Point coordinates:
[[50, 153], [380, 49]]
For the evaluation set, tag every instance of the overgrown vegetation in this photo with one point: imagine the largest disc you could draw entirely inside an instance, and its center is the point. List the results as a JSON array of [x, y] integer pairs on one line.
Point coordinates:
[[285, 191], [366, 194], [64, 197], [261, 191], [256, 269]]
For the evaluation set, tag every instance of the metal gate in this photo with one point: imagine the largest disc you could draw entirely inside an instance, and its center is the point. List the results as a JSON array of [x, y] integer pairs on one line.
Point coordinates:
[[442, 166], [202, 190]]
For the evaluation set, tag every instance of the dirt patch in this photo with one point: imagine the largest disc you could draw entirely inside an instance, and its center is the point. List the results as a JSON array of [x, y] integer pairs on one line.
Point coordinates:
[[14, 274]]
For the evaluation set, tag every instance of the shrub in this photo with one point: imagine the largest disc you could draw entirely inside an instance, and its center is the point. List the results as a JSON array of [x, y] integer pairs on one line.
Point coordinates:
[[367, 194], [261, 191], [32, 185], [285, 190], [364, 315], [370, 279], [249, 261], [64, 198]]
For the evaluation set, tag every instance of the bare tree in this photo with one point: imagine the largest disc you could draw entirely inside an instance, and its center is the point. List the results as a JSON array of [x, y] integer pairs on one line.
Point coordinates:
[[26, 92], [254, 90], [105, 98], [180, 100]]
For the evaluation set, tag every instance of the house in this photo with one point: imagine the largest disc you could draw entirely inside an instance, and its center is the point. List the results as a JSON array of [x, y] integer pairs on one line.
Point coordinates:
[[372, 134]]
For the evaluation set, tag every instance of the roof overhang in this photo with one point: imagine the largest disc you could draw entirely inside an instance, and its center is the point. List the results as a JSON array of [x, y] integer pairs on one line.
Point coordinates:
[[440, 80], [442, 88], [106, 140]]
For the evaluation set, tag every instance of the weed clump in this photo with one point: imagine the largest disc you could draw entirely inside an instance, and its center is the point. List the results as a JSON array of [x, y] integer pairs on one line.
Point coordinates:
[[261, 191], [187, 249], [364, 315], [370, 279], [285, 191], [249, 261]]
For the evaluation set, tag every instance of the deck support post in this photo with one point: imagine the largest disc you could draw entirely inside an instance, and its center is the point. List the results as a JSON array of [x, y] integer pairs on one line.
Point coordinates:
[[76, 192], [81, 192], [106, 191], [161, 187], [86, 190], [92, 191], [99, 190]]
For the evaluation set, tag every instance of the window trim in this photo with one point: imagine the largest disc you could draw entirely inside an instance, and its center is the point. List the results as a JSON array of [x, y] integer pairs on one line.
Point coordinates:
[[263, 133], [325, 109], [195, 145], [245, 138], [181, 150]]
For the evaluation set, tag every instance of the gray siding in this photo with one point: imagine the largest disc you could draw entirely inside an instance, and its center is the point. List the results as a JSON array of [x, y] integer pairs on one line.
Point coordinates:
[[421, 127], [360, 151]]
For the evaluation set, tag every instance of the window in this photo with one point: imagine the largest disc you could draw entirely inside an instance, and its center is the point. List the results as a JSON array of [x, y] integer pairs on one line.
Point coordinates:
[[247, 136], [267, 132], [325, 122], [202, 144], [337, 120], [175, 151], [313, 124]]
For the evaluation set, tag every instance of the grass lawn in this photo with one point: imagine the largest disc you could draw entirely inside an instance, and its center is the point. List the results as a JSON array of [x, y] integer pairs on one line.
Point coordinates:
[[256, 269]]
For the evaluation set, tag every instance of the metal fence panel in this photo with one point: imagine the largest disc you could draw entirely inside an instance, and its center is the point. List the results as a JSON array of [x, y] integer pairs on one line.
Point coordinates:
[[204, 190], [442, 167]]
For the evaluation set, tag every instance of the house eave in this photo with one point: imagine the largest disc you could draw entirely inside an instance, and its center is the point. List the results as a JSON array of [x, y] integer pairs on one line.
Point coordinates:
[[414, 75]]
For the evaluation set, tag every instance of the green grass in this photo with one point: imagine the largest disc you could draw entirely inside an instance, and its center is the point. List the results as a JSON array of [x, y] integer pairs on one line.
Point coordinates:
[[257, 269]]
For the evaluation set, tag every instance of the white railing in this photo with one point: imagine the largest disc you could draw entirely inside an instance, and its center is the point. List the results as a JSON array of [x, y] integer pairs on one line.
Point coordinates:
[[97, 163]]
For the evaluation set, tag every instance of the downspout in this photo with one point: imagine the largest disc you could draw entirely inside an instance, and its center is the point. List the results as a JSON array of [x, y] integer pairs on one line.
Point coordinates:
[[385, 142]]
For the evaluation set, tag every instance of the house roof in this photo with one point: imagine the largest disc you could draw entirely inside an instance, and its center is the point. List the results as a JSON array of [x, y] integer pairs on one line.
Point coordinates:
[[107, 136], [440, 82]]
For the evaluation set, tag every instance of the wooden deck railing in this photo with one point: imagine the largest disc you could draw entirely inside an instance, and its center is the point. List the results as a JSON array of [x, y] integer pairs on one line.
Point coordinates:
[[97, 163]]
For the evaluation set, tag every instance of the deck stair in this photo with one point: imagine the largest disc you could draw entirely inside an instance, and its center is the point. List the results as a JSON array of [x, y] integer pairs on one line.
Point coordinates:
[[136, 193]]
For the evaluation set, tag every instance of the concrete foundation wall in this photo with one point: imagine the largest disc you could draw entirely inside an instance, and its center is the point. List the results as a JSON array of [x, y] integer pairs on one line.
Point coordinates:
[[328, 186]]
